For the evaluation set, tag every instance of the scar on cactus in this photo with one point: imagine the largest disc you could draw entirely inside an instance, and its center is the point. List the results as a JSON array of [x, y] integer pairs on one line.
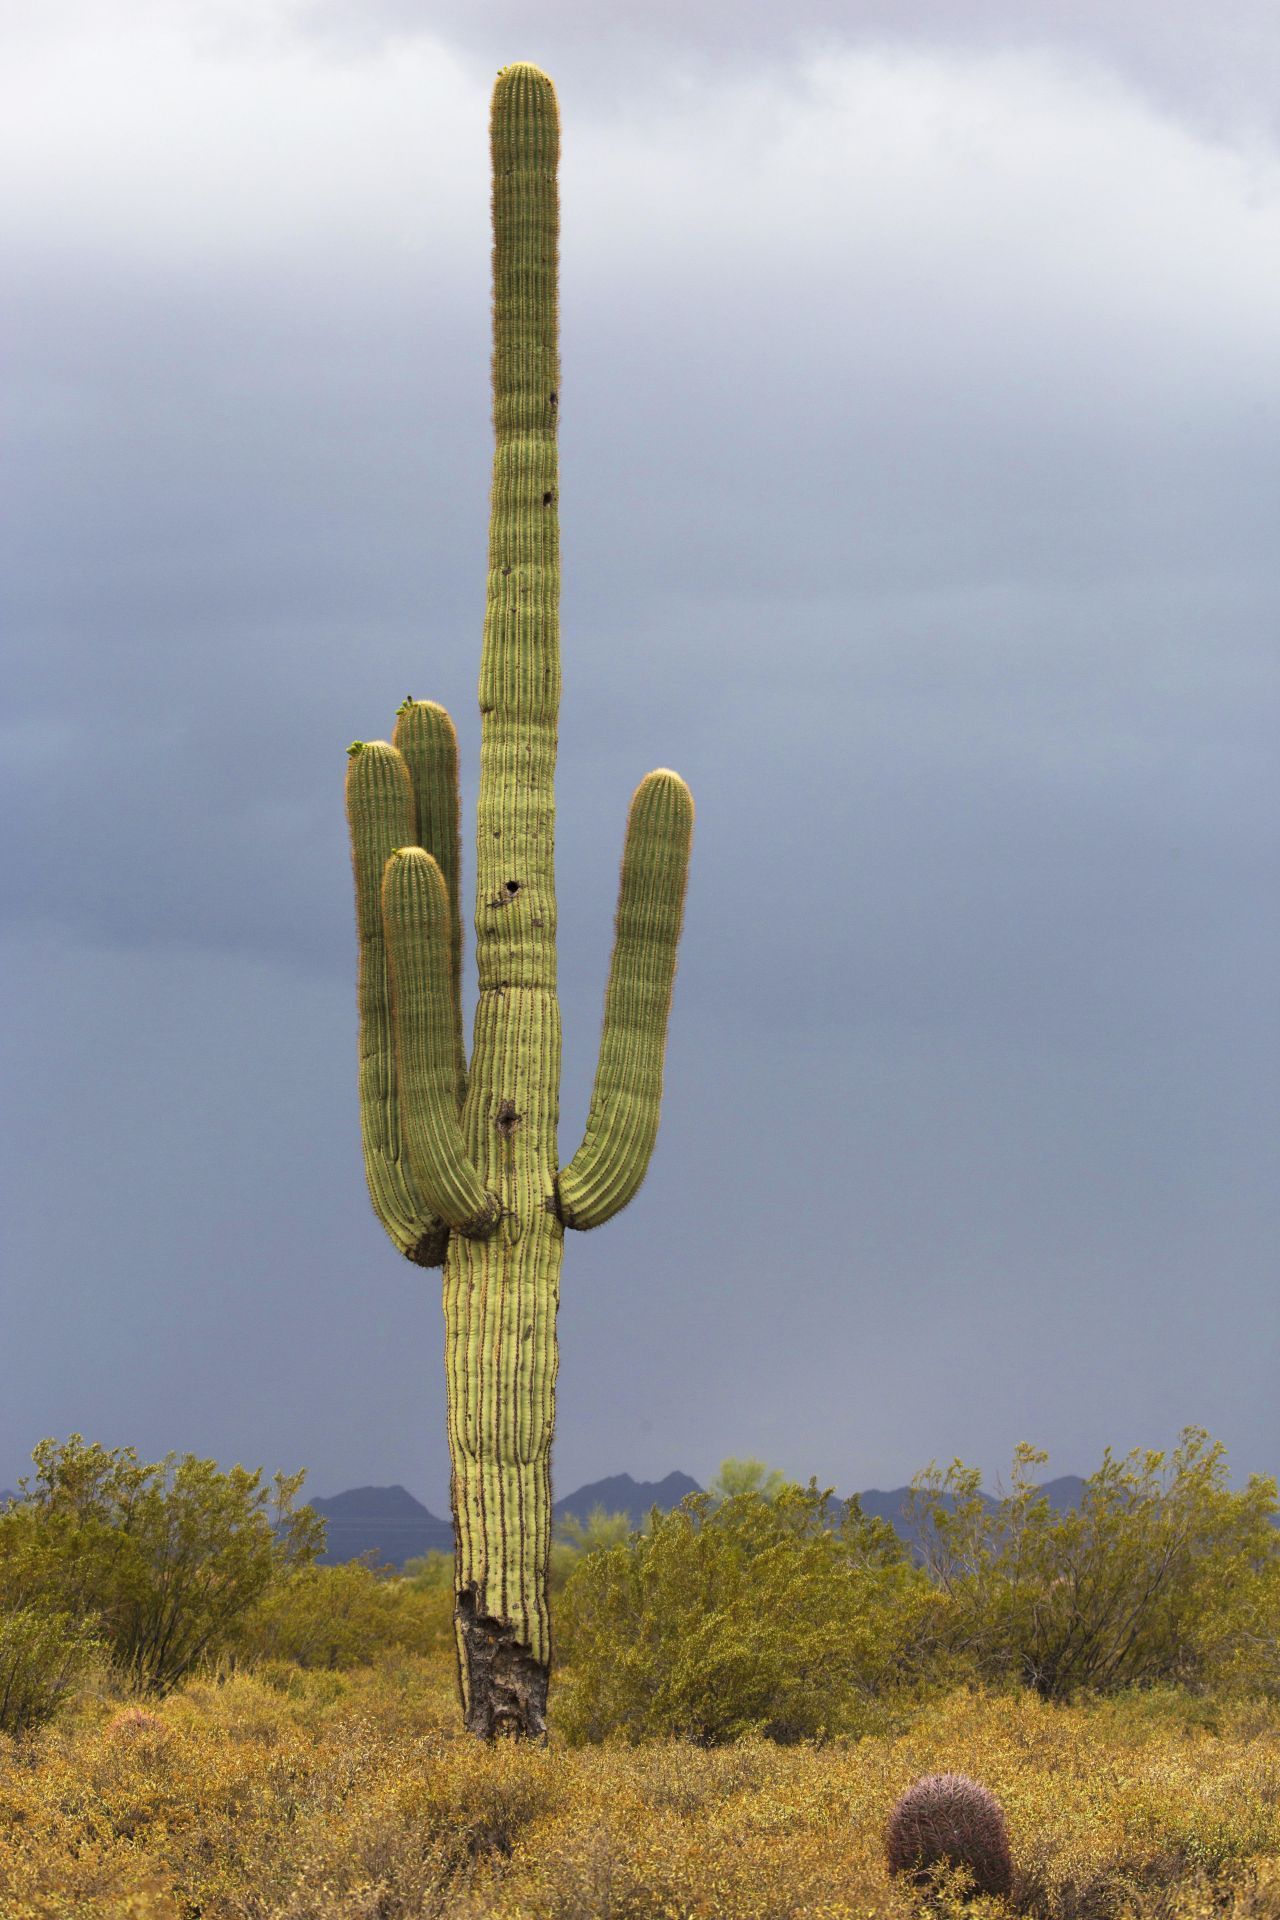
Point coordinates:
[[949, 1820], [461, 1155]]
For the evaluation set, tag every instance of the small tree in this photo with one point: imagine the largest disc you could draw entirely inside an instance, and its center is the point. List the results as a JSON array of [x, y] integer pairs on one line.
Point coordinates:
[[162, 1558], [1161, 1573]]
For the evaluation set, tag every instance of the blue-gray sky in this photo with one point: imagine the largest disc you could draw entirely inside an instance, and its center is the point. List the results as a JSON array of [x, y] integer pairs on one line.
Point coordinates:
[[919, 430]]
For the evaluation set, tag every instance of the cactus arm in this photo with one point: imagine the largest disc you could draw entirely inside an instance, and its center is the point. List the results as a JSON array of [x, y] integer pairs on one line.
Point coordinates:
[[416, 924], [425, 735], [381, 816], [609, 1166]]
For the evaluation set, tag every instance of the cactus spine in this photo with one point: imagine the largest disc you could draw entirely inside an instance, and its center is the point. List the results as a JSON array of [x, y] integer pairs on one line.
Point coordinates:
[[462, 1163]]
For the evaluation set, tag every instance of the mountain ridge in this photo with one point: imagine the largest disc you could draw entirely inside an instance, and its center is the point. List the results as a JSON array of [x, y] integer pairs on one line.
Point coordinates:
[[619, 1493], [395, 1526]]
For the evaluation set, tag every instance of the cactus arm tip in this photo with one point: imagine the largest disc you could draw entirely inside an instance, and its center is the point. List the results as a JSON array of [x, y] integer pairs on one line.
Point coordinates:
[[609, 1166]]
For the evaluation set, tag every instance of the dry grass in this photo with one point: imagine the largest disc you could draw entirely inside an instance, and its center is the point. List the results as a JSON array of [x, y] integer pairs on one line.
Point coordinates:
[[312, 1796]]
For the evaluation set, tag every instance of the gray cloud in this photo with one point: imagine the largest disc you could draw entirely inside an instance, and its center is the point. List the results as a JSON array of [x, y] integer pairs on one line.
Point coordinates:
[[1222, 69]]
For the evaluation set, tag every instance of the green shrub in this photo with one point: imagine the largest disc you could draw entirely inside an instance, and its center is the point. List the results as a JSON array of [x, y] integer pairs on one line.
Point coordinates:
[[429, 1572], [42, 1656], [774, 1613], [344, 1616], [573, 1538], [162, 1560], [1162, 1575]]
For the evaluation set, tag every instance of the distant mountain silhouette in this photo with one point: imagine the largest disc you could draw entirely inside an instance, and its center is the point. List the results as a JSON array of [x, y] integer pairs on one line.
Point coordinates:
[[621, 1494], [389, 1523], [386, 1521], [1064, 1492]]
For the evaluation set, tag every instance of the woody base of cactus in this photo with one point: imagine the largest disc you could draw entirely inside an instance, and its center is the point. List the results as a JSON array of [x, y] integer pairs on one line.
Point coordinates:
[[506, 1686]]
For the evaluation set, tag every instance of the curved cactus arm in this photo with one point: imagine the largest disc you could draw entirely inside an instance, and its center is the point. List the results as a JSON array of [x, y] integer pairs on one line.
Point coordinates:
[[381, 816], [606, 1171], [425, 735], [415, 921]]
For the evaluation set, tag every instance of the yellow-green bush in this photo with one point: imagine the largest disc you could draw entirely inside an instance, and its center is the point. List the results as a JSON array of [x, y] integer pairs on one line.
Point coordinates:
[[1162, 1574], [429, 1571], [769, 1613], [43, 1654], [573, 1538], [344, 1616], [161, 1560]]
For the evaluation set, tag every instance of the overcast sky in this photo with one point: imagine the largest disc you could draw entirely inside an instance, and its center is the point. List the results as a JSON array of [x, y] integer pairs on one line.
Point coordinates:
[[919, 485]]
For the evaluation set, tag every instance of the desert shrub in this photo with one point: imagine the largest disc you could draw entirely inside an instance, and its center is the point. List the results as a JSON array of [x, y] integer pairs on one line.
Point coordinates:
[[737, 1476], [778, 1614], [601, 1530], [42, 1656], [949, 1820], [1162, 1574], [355, 1795], [344, 1616], [429, 1572], [477, 1802], [161, 1559], [572, 1538], [134, 1726]]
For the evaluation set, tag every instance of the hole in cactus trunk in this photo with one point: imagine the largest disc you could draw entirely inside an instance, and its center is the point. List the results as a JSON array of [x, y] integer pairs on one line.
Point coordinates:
[[548, 497], [507, 1119], [513, 887]]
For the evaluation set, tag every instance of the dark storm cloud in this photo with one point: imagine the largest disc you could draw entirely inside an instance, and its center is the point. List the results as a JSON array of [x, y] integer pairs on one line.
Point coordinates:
[[918, 492]]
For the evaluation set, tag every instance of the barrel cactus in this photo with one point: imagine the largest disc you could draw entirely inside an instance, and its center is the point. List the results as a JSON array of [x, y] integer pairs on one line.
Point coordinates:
[[461, 1158], [947, 1819]]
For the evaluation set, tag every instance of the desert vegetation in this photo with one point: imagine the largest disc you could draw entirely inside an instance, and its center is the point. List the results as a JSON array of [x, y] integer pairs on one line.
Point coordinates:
[[200, 1720]]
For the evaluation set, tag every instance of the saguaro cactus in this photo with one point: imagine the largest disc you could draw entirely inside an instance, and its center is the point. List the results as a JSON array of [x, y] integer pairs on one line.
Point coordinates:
[[462, 1165]]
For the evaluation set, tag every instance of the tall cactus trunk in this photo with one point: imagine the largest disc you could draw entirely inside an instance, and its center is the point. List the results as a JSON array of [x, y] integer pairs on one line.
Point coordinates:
[[463, 1169], [501, 1294], [500, 1301]]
